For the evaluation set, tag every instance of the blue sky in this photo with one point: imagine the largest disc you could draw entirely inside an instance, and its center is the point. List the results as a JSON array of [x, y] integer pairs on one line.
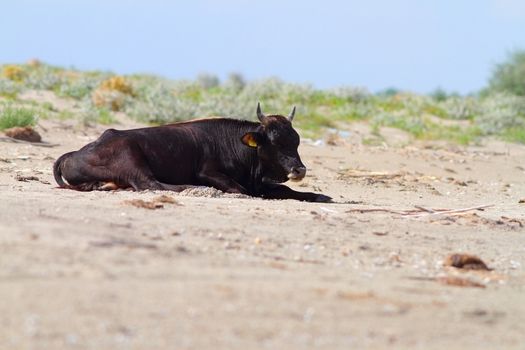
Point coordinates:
[[416, 45]]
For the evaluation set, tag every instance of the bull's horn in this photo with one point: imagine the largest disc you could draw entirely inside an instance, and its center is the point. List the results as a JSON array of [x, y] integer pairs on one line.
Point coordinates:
[[292, 114], [260, 115]]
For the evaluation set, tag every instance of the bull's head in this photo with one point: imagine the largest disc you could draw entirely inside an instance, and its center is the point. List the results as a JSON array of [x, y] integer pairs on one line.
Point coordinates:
[[276, 145]]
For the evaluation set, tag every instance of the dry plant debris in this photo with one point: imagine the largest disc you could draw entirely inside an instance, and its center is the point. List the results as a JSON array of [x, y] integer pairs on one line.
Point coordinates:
[[334, 139], [404, 179], [474, 219], [25, 133], [465, 261], [40, 144], [420, 211], [140, 203], [123, 243], [156, 203], [166, 199], [459, 282], [26, 178], [462, 216], [378, 175]]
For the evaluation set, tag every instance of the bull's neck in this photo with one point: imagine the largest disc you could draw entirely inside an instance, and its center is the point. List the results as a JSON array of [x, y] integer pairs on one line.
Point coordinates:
[[230, 148]]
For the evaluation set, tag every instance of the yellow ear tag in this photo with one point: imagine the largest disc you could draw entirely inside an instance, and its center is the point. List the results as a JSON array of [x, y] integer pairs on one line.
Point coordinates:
[[250, 140]]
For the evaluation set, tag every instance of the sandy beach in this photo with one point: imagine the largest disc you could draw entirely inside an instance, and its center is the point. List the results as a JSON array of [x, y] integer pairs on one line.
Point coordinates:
[[208, 270]]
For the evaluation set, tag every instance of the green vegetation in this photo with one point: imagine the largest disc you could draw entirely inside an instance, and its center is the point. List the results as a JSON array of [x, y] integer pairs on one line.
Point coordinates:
[[9, 89], [97, 116], [515, 134], [498, 112], [11, 116], [65, 115], [509, 76]]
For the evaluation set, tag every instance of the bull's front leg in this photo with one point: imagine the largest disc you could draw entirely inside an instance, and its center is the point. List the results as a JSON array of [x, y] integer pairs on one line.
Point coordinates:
[[285, 192], [220, 181]]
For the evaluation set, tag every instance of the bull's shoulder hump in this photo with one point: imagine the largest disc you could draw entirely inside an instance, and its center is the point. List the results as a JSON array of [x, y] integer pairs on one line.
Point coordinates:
[[199, 120], [213, 121], [110, 133]]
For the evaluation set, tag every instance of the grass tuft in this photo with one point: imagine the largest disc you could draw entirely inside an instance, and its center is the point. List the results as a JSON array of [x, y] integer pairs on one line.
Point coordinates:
[[515, 134], [11, 116]]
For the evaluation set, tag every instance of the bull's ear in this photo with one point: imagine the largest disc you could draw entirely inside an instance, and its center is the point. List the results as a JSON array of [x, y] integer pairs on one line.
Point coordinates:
[[251, 139]]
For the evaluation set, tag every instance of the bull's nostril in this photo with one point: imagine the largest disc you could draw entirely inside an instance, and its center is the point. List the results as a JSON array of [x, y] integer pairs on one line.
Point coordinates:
[[299, 171]]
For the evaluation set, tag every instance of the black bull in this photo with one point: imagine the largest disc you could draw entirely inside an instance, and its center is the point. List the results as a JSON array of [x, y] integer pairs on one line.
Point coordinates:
[[235, 156]]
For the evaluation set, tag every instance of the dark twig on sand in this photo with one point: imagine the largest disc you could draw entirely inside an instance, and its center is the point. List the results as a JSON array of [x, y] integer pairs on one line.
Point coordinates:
[[40, 144], [453, 211], [420, 211], [428, 210], [370, 210]]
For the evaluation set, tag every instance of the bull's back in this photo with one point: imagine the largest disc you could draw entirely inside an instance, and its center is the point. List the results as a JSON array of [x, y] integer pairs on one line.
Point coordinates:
[[171, 152]]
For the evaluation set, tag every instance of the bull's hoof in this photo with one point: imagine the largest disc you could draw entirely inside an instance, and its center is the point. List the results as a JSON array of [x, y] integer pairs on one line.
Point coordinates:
[[321, 198]]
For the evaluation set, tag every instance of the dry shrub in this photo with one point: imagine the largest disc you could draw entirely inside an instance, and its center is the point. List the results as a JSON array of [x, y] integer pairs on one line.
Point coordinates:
[[13, 72], [119, 84], [112, 93], [114, 100]]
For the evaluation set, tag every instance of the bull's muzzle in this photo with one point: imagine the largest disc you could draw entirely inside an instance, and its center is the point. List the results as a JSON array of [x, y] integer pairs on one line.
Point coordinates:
[[297, 173]]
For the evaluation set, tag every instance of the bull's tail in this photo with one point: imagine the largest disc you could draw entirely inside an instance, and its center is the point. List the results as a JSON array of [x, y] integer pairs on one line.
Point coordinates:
[[57, 170]]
